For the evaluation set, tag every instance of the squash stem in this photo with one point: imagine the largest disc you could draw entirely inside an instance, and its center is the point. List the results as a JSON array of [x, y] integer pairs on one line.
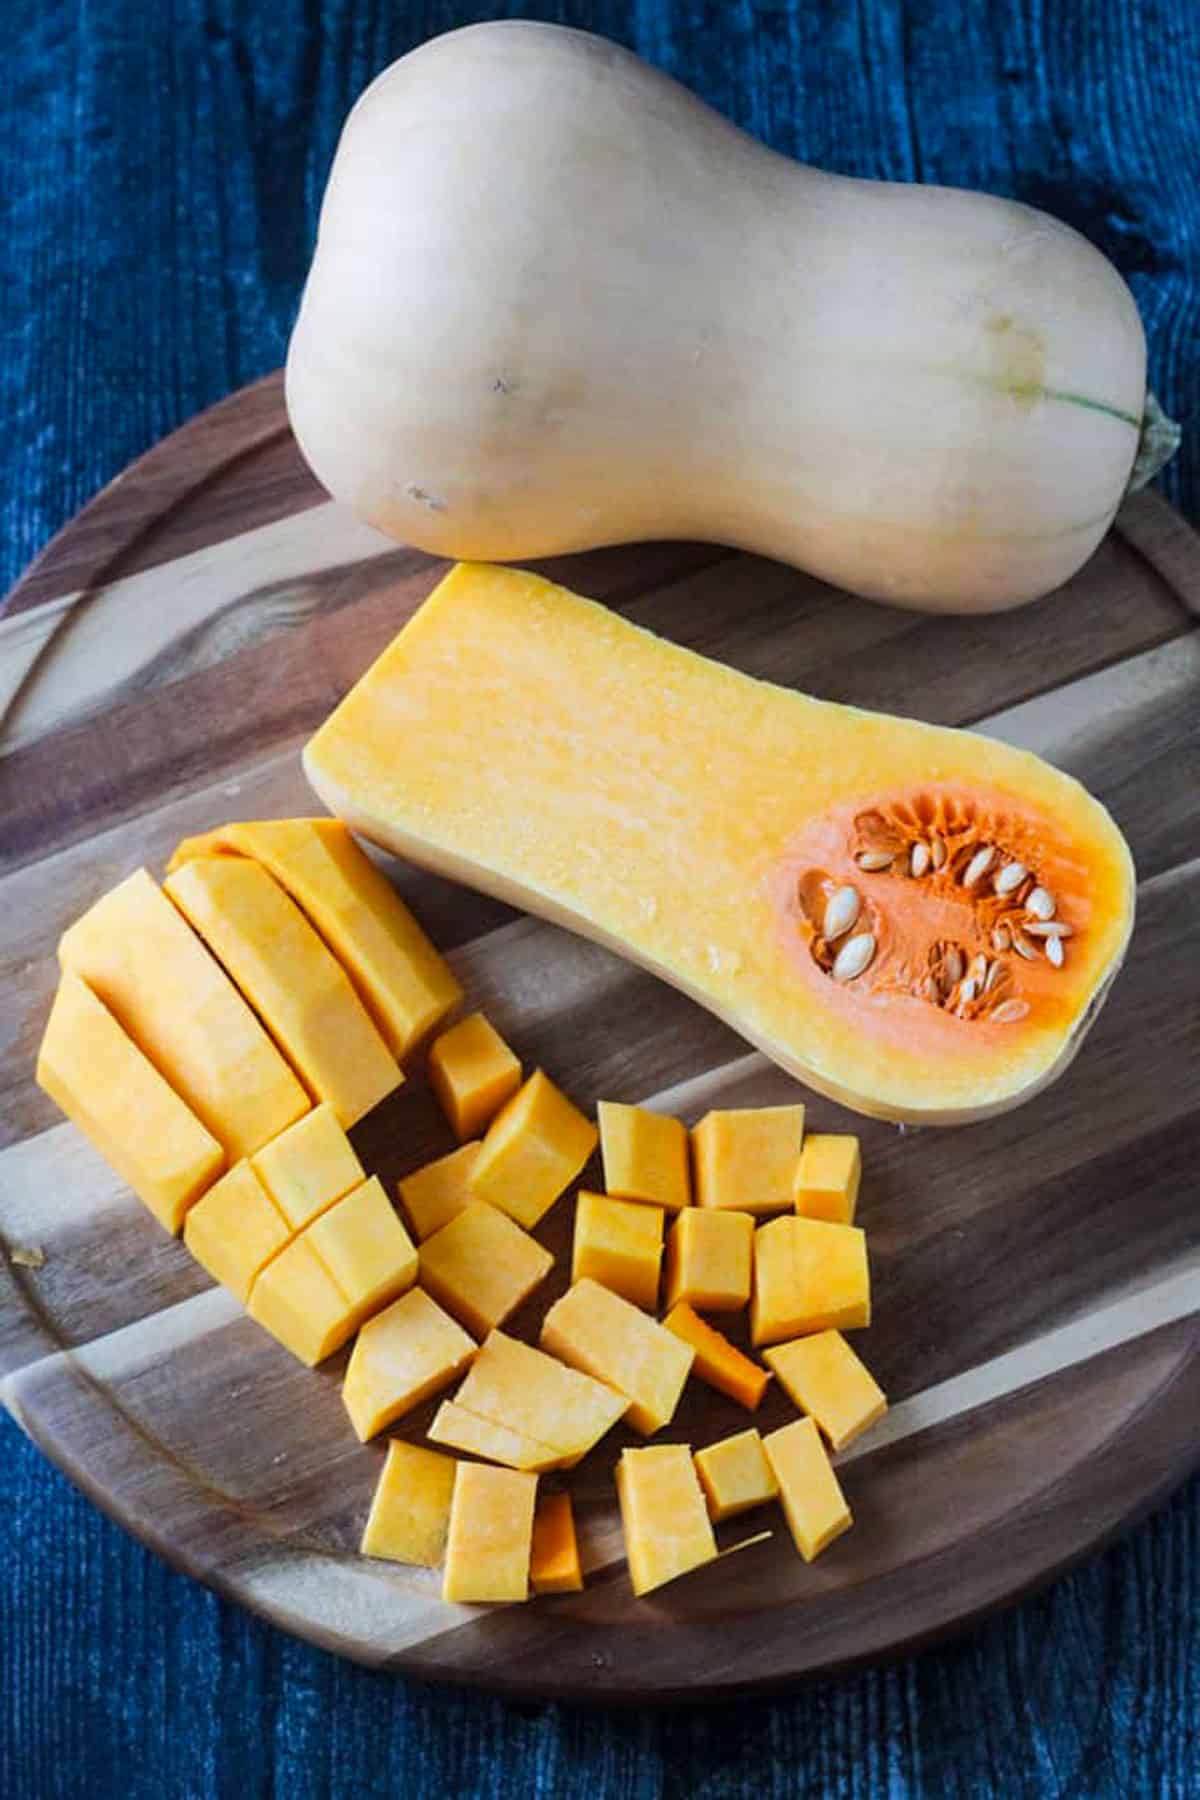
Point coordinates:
[[1157, 444]]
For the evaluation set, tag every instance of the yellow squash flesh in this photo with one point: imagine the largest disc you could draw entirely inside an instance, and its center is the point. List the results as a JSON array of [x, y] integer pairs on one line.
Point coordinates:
[[537, 746]]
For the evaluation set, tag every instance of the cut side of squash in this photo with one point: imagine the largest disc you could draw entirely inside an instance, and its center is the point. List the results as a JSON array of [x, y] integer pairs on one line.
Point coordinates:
[[920, 923]]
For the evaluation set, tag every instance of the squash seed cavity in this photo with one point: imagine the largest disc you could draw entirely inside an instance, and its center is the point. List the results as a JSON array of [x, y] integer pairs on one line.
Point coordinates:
[[981, 865]]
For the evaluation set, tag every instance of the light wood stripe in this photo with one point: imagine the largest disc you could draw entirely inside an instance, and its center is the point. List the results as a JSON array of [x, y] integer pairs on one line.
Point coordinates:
[[102, 646]]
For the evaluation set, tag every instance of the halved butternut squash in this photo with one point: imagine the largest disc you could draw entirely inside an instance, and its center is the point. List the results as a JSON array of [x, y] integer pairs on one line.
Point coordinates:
[[918, 922]]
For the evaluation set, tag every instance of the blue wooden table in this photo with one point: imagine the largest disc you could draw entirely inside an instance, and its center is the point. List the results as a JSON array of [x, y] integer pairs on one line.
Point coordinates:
[[160, 171]]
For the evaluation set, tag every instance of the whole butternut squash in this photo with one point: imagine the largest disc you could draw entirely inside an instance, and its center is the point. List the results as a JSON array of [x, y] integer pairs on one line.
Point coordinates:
[[557, 302]]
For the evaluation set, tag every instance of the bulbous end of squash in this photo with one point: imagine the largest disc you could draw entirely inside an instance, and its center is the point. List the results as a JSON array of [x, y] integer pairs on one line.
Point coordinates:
[[920, 923]]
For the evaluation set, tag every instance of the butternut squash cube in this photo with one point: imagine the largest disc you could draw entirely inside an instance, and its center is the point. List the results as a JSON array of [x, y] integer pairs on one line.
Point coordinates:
[[437, 1192], [709, 1258], [808, 1276], [365, 1248], [813, 1502], [404, 1354], [554, 1566], [746, 1159], [290, 978], [117, 1098], [482, 1265], [406, 986], [735, 1475], [235, 1229], [717, 1361], [410, 1513], [663, 1515], [490, 1539], [596, 1331], [533, 1150], [827, 1380], [463, 1430], [827, 1178], [298, 1301], [308, 1166], [645, 1155], [473, 1072], [513, 1384], [182, 1011], [619, 1243]]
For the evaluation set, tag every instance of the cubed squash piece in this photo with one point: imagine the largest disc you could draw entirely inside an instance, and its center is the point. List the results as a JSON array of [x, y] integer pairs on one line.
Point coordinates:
[[596, 1331], [437, 1192], [827, 1178], [813, 1502], [490, 1539], [407, 1352], [534, 1149], [182, 1011], [827, 1380], [365, 1248], [95, 1072], [746, 1159], [735, 1475], [235, 1229], [717, 1361], [513, 1384], [709, 1259], [406, 986], [554, 1566], [663, 1515], [809, 1275], [410, 1513], [463, 1430], [482, 1265], [298, 1301], [293, 981], [645, 1155], [619, 1243], [308, 1166], [473, 1072]]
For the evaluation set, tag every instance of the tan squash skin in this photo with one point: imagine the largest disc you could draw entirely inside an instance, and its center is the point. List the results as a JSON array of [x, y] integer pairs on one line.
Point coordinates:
[[557, 302]]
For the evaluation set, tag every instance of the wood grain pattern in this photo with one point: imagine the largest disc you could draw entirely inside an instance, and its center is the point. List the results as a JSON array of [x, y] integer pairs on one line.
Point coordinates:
[[1038, 1277]]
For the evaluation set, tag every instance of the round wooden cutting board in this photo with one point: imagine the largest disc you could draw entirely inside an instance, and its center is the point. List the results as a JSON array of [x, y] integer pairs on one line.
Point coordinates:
[[1037, 1277]]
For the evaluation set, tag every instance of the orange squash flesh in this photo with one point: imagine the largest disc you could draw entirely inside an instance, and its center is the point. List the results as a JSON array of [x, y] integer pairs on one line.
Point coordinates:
[[522, 739], [717, 1361], [405, 984]]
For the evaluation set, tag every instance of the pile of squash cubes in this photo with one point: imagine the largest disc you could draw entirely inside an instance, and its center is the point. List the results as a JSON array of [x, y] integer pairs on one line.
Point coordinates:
[[217, 1037]]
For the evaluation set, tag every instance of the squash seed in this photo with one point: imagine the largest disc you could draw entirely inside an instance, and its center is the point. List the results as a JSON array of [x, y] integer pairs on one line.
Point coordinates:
[[872, 861], [937, 852], [1055, 952], [977, 969], [1009, 1011], [1009, 877], [1001, 937], [1040, 902], [853, 957], [1048, 928], [842, 911], [995, 970], [1023, 947], [978, 866], [966, 992], [920, 859], [954, 965]]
